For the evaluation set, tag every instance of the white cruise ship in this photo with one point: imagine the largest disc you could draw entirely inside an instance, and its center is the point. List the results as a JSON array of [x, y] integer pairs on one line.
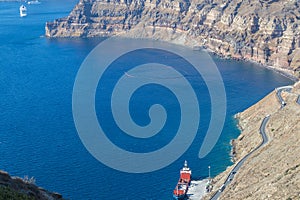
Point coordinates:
[[23, 11]]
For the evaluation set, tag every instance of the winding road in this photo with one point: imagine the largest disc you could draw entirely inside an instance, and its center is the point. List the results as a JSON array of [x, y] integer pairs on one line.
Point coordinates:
[[278, 94], [264, 141], [241, 162]]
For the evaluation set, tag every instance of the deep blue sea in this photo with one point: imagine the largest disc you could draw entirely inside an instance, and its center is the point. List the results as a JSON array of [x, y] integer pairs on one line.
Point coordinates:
[[37, 133]]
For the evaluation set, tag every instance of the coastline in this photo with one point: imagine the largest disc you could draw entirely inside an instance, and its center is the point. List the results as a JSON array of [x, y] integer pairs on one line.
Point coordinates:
[[287, 73], [195, 46], [13, 187], [284, 72], [276, 154], [233, 140]]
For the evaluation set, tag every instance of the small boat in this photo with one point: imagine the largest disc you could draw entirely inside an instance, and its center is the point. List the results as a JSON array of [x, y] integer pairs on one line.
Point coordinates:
[[183, 184], [23, 11], [33, 2]]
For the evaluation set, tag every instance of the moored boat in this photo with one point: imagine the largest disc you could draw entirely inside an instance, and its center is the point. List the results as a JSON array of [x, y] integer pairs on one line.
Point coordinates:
[[183, 183]]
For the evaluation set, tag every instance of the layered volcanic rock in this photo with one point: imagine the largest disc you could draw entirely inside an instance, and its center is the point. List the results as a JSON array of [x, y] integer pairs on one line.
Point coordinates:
[[265, 31]]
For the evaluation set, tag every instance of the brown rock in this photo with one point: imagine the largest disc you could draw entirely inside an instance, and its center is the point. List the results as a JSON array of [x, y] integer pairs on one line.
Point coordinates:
[[263, 31]]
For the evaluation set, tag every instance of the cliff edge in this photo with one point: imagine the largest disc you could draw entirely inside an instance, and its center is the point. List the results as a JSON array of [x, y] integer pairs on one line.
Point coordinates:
[[266, 31]]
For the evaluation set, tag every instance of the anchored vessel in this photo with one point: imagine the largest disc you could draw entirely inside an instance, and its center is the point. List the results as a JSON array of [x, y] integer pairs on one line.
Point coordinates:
[[23, 11], [183, 182]]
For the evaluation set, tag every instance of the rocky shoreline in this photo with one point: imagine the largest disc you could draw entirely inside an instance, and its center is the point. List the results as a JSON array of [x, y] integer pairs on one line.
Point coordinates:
[[282, 71], [273, 171], [23, 188]]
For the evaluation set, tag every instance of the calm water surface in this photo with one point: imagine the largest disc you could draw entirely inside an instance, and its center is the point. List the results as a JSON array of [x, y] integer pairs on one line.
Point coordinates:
[[37, 133]]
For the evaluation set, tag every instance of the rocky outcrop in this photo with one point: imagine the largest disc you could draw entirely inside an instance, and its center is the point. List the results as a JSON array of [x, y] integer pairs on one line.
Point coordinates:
[[272, 172], [263, 31], [18, 188]]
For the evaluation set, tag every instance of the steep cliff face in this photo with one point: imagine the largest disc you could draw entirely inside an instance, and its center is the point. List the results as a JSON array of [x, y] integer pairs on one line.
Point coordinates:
[[265, 31]]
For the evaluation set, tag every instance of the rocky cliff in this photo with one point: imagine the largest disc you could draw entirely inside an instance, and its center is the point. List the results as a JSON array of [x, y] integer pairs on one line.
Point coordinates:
[[265, 31], [273, 172], [24, 189]]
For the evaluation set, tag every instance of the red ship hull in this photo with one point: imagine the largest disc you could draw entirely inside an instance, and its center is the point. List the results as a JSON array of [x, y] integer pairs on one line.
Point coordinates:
[[183, 183]]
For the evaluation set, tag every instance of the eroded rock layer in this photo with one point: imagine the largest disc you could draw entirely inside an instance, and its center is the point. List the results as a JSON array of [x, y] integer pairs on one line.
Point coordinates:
[[263, 31]]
